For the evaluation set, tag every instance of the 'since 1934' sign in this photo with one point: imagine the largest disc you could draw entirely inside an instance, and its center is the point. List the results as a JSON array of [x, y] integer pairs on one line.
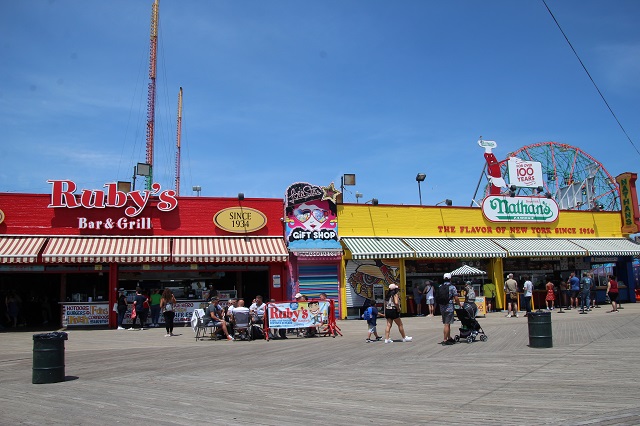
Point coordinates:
[[499, 208]]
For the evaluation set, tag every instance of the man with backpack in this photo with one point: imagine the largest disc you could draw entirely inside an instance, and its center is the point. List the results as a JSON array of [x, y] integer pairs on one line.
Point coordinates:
[[447, 296]]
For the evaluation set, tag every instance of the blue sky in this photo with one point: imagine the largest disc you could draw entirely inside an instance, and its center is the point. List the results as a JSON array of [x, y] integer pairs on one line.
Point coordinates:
[[277, 92]]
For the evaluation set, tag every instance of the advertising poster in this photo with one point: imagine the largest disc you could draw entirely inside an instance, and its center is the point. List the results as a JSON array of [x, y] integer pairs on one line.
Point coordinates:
[[83, 315]]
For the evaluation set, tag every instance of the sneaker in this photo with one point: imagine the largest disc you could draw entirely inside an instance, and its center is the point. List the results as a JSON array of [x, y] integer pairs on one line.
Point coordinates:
[[142, 328], [167, 335], [516, 315], [388, 341], [447, 343], [229, 338], [407, 339], [121, 328], [378, 339], [508, 315], [131, 329], [171, 334], [368, 340]]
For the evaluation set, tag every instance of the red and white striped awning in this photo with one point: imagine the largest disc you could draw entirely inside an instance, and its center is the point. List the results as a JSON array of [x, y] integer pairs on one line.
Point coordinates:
[[17, 249], [107, 249], [229, 250]]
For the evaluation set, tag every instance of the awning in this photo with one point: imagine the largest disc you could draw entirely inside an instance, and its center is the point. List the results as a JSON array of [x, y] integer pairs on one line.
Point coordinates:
[[609, 246], [20, 249], [377, 248], [439, 248], [467, 270], [107, 249], [538, 247], [229, 250]]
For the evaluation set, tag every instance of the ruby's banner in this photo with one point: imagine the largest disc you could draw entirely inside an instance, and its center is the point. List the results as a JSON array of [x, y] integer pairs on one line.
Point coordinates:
[[297, 315]]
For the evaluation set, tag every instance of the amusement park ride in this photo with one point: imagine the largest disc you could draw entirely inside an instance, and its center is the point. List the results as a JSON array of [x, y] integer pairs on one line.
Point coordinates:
[[573, 178], [151, 111]]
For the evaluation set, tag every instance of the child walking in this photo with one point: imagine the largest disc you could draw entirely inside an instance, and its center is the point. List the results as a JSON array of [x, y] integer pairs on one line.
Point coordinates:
[[371, 314]]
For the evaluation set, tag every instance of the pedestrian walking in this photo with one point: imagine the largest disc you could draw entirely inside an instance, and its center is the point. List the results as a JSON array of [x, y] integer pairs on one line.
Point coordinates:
[[612, 292], [168, 305], [392, 314], [371, 315]]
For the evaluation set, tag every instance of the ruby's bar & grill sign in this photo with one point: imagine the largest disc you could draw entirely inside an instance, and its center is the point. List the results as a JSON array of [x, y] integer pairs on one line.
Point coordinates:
[[500, 208], [134, 202]]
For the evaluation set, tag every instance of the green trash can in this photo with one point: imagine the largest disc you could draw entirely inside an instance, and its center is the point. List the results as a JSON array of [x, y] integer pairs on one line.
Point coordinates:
[[48, 357], [540, 330]]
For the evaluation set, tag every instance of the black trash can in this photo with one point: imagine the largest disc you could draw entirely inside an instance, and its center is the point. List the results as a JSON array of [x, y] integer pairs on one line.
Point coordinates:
[[48, 357], [540, 330]]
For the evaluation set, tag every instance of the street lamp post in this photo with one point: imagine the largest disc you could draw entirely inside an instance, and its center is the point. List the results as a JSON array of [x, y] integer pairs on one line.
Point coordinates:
[[420, 177], [197, 189]]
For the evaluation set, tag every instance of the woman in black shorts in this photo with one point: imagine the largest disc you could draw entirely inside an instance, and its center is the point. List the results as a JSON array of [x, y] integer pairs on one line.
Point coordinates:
[[392, 314]]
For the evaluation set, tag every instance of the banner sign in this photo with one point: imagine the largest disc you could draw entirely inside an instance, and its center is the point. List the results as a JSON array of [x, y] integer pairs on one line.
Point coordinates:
[[500, 208], [527, 174], [629, 203], [297, 315]]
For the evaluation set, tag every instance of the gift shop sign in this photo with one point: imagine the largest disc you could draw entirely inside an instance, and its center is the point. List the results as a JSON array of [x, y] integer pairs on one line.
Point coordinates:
[[240, 219], [499, 208], [134, 202]]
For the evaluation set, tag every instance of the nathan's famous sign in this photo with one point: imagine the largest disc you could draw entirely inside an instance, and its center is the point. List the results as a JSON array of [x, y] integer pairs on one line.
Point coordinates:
[[501, 208]]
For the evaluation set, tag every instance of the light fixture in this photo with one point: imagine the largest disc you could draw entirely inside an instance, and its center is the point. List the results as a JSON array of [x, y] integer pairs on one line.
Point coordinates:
[[420, 177], [347, 179], [240, 196], [140, 169], [124, 186], [448, 202], [373, 201], [197, 189], [358, 196]]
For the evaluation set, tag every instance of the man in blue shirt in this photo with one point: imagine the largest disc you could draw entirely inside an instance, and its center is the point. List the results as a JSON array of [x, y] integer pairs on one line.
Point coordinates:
[[574, 287]]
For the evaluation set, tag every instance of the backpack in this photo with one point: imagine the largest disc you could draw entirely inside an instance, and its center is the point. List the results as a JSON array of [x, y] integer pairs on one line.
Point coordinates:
[[443, 294], [367, 314]]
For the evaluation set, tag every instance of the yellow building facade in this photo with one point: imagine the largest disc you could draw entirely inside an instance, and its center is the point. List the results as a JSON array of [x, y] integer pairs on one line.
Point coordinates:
[[406, 244]]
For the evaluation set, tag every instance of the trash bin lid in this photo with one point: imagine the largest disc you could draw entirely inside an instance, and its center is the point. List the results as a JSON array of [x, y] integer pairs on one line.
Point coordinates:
[[54, 335], [539, 314]]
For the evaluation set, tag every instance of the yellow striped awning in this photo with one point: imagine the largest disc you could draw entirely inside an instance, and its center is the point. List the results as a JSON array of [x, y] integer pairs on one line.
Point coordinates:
[[377, 248], [608, 246], [439, 248], [540, 247]]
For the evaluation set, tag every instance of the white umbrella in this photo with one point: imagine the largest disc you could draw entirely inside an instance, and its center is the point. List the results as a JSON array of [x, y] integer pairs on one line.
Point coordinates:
[[467, 270]]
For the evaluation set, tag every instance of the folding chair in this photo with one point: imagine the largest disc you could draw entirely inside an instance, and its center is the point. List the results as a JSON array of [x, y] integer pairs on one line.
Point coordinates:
[[241, 323], [203, 327]]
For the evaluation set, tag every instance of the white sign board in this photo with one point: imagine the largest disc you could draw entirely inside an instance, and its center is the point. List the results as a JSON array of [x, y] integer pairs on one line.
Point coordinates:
[[525, 174]]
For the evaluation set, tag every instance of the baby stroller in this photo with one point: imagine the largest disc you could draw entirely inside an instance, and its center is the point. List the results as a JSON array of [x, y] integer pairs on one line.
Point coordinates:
[[470, 327]]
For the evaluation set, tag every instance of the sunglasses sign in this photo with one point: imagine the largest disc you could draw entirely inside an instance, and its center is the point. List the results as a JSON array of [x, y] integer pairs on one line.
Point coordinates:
[[310, 216]]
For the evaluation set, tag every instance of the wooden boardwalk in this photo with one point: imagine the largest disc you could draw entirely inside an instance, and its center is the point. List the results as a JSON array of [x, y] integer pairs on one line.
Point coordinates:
[[589, 377]]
